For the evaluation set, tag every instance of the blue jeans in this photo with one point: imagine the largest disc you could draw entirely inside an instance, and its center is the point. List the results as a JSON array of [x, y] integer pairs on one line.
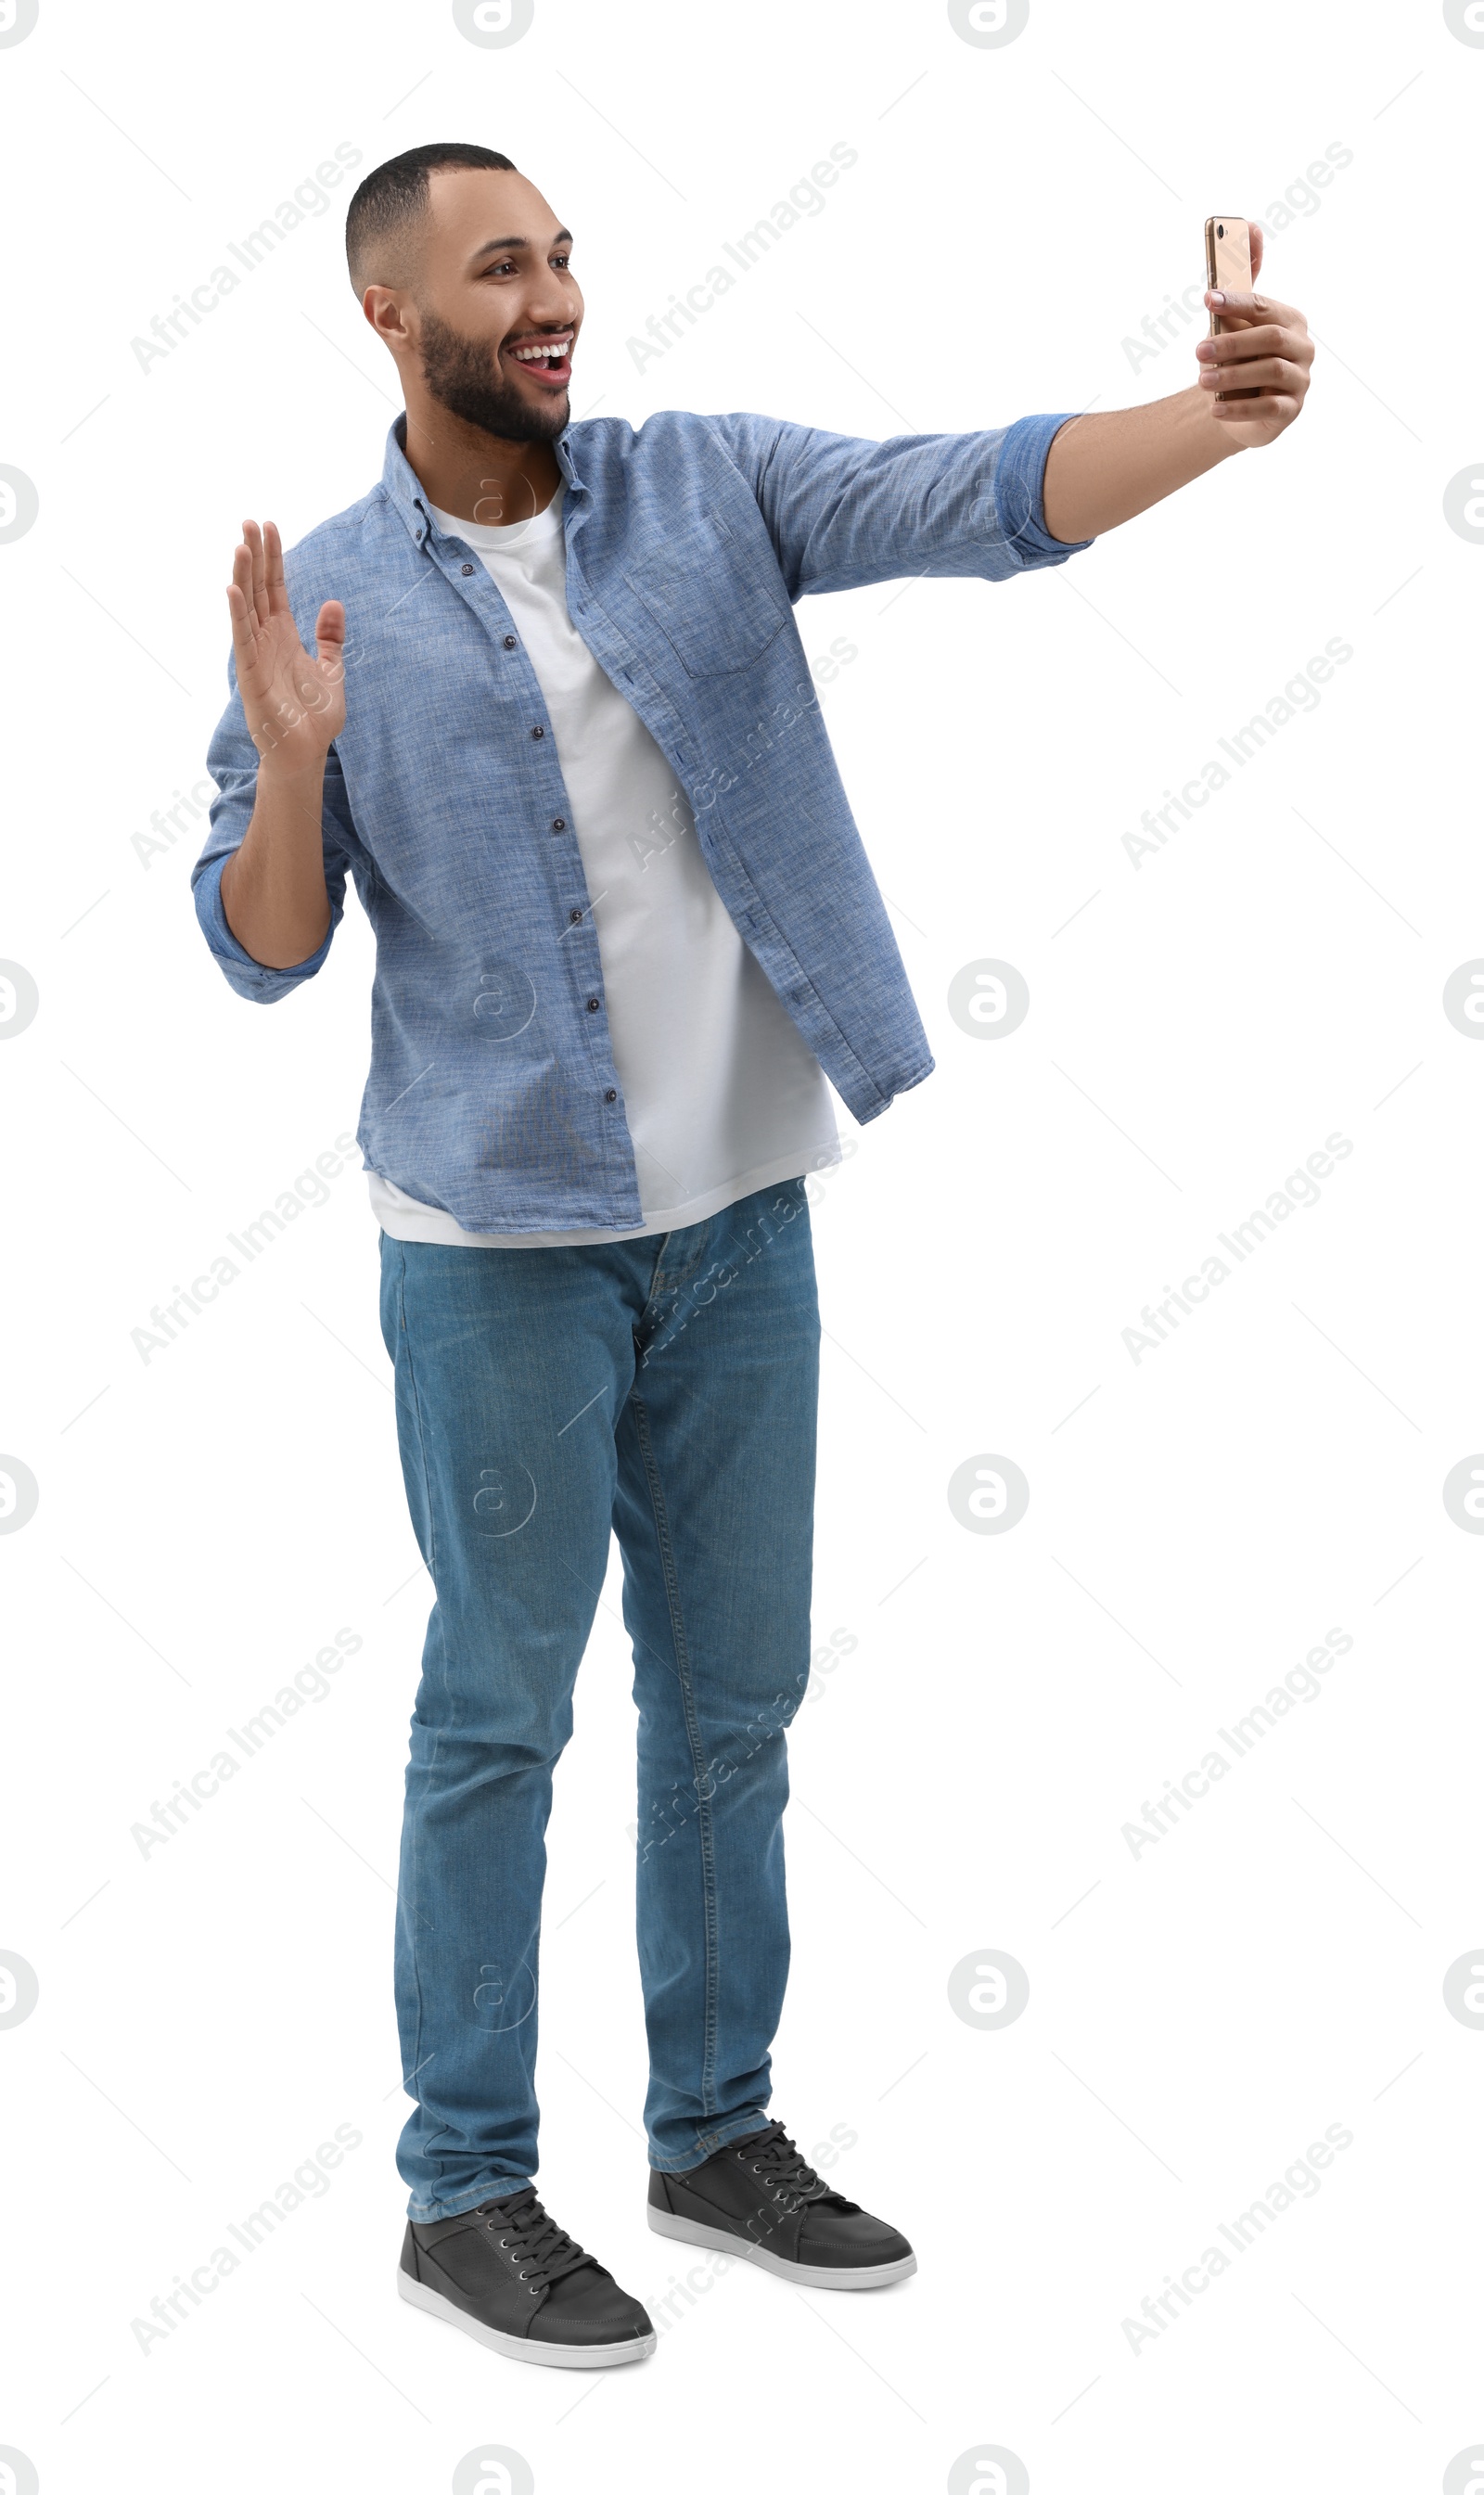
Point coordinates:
[[663, 1389]]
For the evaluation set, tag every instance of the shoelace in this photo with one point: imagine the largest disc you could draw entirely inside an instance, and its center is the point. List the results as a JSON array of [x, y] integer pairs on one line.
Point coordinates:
[[544, 2250], [772, 2155]]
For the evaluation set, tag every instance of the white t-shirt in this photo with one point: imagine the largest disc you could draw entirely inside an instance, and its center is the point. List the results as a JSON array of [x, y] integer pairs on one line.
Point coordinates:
[[722, 1094]]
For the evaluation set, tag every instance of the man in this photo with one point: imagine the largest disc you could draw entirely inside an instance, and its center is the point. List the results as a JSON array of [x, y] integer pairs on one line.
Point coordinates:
[[559, 727]]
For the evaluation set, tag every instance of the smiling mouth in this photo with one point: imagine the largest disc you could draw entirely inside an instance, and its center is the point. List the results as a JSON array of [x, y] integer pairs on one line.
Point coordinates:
[[547, 360]]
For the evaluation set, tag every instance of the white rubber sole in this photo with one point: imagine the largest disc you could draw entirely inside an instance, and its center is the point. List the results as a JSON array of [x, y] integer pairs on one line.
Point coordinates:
[[527, 2352], [689, 2231]]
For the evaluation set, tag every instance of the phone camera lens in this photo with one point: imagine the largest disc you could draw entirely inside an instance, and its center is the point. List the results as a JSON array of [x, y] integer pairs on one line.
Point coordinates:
[[1220, 231]]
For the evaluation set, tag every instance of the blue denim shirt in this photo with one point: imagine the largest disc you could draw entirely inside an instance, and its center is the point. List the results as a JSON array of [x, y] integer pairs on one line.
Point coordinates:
[[492, 1091]]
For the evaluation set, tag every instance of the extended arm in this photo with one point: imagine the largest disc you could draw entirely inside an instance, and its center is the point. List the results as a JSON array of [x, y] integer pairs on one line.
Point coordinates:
[[1103, 470]]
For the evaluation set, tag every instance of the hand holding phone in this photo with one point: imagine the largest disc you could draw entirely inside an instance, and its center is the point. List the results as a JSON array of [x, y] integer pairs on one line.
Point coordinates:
[[1229, 271]]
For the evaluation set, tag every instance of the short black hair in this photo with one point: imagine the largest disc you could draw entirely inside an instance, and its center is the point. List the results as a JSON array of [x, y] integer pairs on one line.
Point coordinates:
[[393, 199]]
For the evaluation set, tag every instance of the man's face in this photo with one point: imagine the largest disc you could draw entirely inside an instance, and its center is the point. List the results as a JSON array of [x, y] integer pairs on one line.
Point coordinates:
[[499, 309]]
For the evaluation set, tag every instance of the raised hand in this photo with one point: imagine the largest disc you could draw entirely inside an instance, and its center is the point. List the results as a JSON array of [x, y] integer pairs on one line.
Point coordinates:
[[295, 704]]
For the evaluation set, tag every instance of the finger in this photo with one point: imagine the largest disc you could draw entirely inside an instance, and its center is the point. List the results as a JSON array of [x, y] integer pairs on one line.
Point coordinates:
[[330, 630], [1269, 372], [1232, 346], [273, 569], [1272, 413], [252, 538], [329, 642], [1253, 307], [244, 641], [241, 591], [1255, 241]]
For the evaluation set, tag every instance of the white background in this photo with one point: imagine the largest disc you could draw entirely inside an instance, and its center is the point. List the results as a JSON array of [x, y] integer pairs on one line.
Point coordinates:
[[1198, 1520]]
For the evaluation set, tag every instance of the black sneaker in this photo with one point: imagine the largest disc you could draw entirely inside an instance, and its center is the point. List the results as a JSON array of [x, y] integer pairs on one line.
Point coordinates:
[[514, 2279], [760, 2200]]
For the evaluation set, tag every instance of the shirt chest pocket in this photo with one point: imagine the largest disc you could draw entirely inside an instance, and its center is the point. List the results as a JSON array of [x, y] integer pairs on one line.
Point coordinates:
[[718, 615]]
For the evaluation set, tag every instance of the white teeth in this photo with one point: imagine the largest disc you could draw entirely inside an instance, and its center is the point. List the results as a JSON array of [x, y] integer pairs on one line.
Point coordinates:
[[553, 352]]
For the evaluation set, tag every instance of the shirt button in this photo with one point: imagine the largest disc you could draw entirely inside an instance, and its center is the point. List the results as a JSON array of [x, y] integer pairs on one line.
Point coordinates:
[[574, 915], [510, 640], [592, 1005], [538, 731], [466, 568], [610, 1096], [559, 823]]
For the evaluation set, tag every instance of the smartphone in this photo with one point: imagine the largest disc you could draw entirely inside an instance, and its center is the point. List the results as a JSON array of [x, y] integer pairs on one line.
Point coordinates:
[[1229, 270]]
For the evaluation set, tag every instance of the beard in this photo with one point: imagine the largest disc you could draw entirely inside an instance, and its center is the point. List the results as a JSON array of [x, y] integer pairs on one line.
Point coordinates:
[[464, 377]]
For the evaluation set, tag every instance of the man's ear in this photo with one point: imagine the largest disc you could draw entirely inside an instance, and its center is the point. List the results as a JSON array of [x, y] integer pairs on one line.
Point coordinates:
[[384, 312]]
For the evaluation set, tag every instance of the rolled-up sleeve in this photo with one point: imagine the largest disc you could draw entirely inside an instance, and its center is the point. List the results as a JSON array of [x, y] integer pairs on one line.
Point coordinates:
[[844, 513], [232, 758]]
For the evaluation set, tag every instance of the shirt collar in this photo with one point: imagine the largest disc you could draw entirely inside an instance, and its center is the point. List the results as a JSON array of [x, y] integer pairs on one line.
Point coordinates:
[[406, 494]]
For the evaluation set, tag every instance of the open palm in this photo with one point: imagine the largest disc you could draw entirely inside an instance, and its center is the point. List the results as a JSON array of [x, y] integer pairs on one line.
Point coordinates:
[[293, 703]]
